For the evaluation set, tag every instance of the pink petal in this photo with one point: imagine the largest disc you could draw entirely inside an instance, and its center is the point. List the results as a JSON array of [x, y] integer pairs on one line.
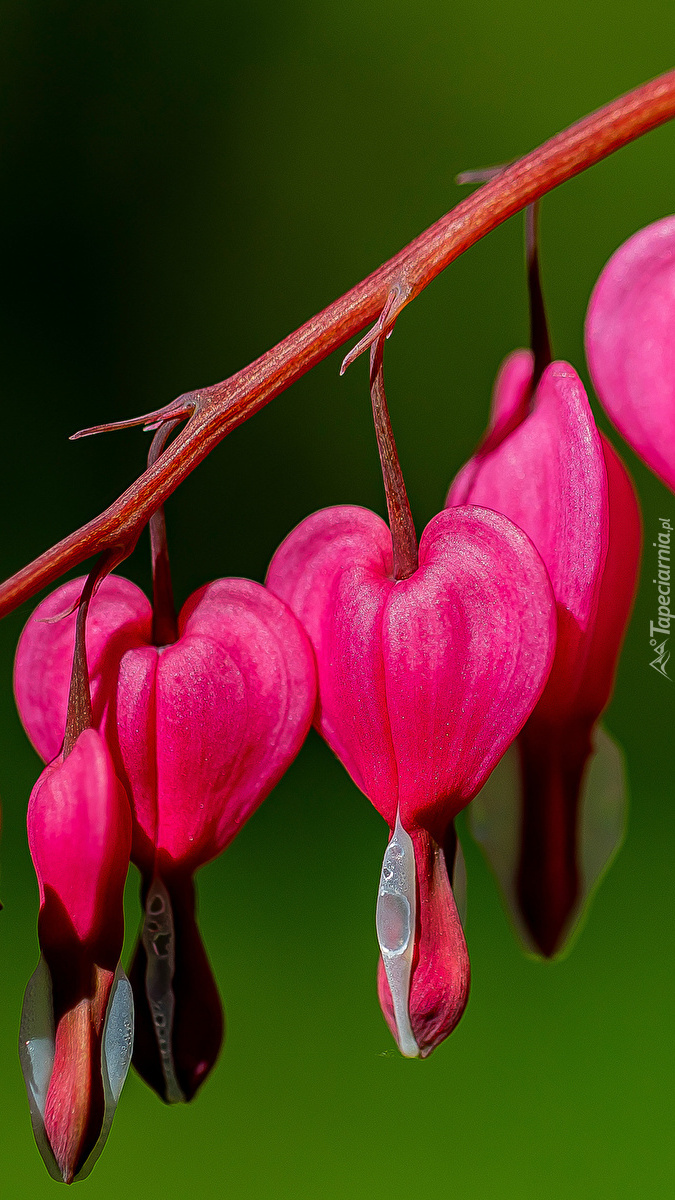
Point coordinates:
[[556, 755], [75, 1047], [564, 485], [335, 572], [424, 682], [79, 833], [617, 586], [630, 346], [422, 685], [136, 739], [468, 641], [510, 405], [119, 618], [230, 703], [549, 477]]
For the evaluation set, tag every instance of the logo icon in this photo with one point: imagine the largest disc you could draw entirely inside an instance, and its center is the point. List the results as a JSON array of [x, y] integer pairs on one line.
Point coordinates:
[[662, 656]]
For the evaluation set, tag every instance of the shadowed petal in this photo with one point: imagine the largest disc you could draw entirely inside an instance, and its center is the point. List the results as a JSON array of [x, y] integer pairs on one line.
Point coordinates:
[[495, 819], [179, 1017]]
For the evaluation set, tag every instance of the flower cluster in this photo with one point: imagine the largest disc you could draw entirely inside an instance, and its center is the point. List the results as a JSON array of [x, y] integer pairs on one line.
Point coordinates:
[[186, 740], [469, 670]]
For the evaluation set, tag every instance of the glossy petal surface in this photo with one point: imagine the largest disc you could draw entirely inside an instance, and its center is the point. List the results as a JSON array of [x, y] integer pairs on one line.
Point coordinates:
[[468, 642]]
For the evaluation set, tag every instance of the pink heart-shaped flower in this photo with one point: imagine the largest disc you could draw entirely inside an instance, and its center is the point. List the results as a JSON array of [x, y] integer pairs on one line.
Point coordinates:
[[423, 683]]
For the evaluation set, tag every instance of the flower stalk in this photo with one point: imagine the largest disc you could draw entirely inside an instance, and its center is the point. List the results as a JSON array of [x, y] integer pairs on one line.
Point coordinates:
[[79, 696], [540, 341], [164, 619], [401, 523]]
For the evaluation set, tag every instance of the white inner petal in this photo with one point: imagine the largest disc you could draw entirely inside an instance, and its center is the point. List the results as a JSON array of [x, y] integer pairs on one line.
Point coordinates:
[[160, 947], [395, 923]]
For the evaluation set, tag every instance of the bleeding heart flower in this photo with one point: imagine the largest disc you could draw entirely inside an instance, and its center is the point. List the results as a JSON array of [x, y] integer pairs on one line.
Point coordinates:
[[77, 1022], [631, 348], [200, 731], [553, 814], [423, 683]]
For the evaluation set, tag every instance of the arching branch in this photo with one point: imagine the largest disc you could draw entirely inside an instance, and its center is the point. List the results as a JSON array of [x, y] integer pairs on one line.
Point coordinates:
[[221, 407]]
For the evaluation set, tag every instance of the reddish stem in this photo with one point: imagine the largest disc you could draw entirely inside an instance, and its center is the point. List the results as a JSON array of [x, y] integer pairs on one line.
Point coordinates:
[[401, 524], [540, 340], [78, 717], [164, 621], [221, 407]]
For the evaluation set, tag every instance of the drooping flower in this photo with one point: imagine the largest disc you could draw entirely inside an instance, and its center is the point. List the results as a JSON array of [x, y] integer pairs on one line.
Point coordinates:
[[200, 731], [423, 683], [429, 660], [630, 345], [553, 814], [77, 1022]]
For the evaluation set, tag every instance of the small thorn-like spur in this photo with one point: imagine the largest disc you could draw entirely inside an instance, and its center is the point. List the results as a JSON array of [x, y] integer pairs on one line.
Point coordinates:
[[396, 301], [179, 409], [482, 175], [108, 560]]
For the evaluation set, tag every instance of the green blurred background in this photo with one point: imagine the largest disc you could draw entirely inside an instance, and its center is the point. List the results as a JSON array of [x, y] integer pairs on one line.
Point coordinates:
[[182, 185]]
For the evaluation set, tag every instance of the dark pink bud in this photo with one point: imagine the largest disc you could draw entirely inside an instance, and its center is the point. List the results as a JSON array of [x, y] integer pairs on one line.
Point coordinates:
[[423, 683], [77, 1022], [630, 347], [551, 822]]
